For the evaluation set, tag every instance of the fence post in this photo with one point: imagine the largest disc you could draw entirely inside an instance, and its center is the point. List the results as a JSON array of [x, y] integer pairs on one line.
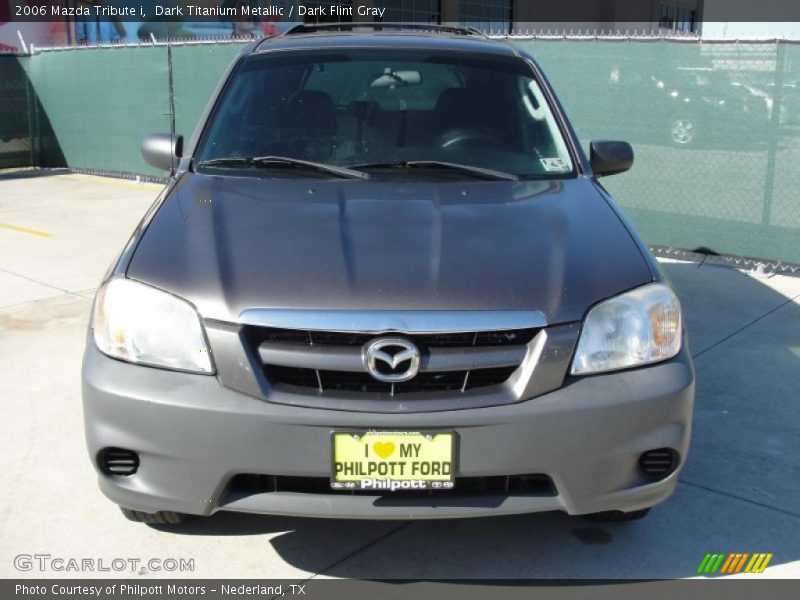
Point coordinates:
[[30, 100], [37, 125], [774, 132], [171, 85]]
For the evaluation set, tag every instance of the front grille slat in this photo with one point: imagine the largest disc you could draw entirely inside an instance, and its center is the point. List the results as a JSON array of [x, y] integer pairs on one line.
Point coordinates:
[[345, 381], [331, 362], [292, 376], [488, 377], [334, 338], [341, 381], [517, 337], [432, 382]]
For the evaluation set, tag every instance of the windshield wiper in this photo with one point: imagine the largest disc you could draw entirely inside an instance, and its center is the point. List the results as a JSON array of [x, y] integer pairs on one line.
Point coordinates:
[[437, 164], [269, 162]]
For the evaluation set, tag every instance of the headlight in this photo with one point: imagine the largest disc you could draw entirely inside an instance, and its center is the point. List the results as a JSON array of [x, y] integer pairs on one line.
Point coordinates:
[[636, 328], [140, 324]]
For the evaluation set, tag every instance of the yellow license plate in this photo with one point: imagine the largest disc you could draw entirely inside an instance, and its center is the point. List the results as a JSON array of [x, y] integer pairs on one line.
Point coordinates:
[[393, 461]]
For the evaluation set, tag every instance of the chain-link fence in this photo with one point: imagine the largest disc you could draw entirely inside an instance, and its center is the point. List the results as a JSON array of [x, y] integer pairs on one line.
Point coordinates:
[[102, 100], [715, 126], [716, 129]]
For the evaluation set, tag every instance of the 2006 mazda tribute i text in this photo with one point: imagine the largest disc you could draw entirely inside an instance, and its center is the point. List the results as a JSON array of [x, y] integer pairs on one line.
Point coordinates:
[[384, 282]]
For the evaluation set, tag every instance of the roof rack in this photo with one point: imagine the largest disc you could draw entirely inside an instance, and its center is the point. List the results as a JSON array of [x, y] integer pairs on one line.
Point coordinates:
[[321, 27]]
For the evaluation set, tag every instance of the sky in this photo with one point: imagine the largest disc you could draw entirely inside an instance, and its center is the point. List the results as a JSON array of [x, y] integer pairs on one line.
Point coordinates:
[[751, 30]]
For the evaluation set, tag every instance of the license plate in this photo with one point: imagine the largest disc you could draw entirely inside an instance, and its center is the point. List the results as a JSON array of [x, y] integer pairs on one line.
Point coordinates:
[[393, 461]]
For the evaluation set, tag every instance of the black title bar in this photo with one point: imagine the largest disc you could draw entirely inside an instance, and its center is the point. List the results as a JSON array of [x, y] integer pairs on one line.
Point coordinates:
[[337, 589], [524, 12]]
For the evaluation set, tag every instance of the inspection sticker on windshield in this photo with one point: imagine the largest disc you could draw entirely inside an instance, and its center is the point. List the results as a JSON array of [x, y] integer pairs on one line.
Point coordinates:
[[392, 460], [553, 164]]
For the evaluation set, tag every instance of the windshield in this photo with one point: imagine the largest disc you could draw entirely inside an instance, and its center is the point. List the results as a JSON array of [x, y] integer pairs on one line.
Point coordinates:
[[379, 111]]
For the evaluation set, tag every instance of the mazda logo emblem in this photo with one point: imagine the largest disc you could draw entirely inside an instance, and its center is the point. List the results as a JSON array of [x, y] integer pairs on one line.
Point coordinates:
[[391, 359]]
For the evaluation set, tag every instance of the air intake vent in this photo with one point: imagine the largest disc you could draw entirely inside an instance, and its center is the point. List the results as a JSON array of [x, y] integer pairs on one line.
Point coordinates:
[[246, 484], [118, 461], [658, 464]]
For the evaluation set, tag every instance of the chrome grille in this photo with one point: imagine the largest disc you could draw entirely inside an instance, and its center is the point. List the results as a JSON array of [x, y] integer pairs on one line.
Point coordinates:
[[330, 362]]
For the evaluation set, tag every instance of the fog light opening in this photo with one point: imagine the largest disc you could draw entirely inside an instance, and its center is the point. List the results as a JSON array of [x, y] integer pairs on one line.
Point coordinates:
[[118, 461], [659, 463]]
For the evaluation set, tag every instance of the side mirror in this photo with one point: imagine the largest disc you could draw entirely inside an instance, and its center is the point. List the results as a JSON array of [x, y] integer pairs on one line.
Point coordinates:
[[162, 151], [610, 158]]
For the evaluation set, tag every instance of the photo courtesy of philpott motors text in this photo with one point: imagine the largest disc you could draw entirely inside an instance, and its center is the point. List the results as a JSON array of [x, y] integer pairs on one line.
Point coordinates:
[[134, 590]]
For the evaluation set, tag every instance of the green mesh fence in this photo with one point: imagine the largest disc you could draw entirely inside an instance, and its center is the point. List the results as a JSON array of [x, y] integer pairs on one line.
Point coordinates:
[[715, 126], [15, 115], [102, 101], [26, 137]]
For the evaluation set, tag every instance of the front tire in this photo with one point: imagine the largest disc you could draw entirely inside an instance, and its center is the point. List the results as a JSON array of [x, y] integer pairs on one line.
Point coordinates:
[[164, 517], [617, 516]]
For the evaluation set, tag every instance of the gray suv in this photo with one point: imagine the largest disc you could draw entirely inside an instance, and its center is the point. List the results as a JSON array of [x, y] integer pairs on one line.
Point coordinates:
[[384, 282]]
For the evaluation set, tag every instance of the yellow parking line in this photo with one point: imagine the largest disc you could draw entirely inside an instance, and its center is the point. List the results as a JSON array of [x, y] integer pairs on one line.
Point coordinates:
[[25, 230]]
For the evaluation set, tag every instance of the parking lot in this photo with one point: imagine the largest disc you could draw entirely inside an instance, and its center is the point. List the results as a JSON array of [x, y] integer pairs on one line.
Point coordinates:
[[739, 490]]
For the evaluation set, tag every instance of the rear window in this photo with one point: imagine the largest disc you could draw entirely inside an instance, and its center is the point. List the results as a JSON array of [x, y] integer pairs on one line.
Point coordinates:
[[357, 107]]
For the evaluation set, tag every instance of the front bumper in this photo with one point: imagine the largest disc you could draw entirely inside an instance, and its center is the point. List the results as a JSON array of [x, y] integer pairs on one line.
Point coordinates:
[[193, 436]]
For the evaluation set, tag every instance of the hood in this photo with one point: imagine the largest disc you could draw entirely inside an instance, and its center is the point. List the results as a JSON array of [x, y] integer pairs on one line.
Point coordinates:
[[227, 244]]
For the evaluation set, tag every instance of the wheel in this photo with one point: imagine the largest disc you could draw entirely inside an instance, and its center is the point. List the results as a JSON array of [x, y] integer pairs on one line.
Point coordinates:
[[617, 516], [682, 130], [164, 517]]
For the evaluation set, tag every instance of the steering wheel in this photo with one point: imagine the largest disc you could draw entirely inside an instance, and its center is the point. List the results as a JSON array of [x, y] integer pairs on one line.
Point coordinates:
[[460, 137]]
